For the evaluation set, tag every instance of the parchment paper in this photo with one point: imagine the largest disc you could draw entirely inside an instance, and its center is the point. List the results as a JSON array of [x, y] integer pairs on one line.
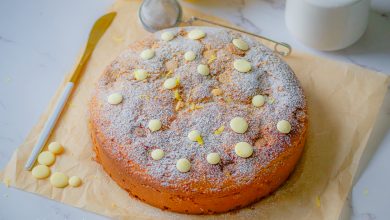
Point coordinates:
[[343, 102]]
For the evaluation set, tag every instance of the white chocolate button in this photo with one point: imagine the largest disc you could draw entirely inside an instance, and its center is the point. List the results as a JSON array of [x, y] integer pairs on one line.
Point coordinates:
[[140, 74], [167, 36], [194, 135], [196, 34], [240, 44], [189, 56], [55, 148], [243, 149], [46, 158], [183, 165], [115, 98], [40, 172], [203, 69], [157, 154], [258, 100], [74, 181], [170, 83], [284, 127], [213, 158], [59, 180], [147, 54], [242, 65], [154, 125], [238, 125]]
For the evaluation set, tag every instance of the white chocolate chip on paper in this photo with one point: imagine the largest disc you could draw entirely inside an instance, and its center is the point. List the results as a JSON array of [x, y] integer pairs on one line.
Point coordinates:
[[46, 158], [40, 172], [59, 180], [55, 148]]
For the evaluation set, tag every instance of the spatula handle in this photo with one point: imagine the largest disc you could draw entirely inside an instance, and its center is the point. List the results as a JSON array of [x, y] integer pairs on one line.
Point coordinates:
[[49, 126]]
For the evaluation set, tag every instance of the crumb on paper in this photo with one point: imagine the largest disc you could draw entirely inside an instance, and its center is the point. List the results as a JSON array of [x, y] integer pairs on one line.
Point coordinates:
[[318, 201], [71, 105], [7, 79], [365, 192], [7, 182], [114, 205], [117, 39]]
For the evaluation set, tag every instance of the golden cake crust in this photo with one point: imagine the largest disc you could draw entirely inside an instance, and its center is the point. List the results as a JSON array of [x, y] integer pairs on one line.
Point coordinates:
[[123, 142]]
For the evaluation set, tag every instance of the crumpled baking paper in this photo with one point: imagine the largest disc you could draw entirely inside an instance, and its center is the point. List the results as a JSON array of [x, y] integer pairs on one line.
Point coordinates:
[[343, 102]]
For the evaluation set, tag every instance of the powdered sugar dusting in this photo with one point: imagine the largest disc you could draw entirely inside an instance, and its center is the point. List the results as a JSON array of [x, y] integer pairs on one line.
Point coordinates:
[[126, 123]]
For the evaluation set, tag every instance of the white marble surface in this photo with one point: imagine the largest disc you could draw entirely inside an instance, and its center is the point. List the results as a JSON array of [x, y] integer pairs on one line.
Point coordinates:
[[40, 39]]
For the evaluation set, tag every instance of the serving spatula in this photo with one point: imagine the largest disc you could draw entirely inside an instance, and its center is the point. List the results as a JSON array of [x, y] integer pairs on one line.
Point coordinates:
[[98, 29]]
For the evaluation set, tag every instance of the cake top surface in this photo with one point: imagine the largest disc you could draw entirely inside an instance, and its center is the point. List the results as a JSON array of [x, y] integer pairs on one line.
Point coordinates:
[[157, 92]]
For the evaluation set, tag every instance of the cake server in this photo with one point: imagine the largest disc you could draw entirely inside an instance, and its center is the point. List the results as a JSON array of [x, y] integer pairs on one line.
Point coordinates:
[[156, 15], [97, 31]]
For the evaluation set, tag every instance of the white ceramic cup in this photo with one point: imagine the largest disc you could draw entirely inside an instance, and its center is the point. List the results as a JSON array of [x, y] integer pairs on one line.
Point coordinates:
[[327, 24]]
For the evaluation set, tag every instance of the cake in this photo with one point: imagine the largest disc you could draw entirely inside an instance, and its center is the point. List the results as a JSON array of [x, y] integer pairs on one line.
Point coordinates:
[[198, 120]]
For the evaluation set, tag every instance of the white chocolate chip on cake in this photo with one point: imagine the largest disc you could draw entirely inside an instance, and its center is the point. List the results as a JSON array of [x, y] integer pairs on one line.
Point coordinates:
[[59, 180], [240, 44], [194, 135], [170, 83], [284, 126], [157, 154], [238, 125], [55, 148], [189, 56], [40, 172], [140, 74], [115, 98], [213, 158], [196, 34], [167, 36], [154, 125], [258, 100], [147, 54], [203, 69], [46, 158], [242, 65], [243, 149], [183, 165], [74, 181]]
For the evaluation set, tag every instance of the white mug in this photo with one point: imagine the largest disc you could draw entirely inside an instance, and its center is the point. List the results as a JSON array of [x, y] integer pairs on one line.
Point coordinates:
[[327, 24]]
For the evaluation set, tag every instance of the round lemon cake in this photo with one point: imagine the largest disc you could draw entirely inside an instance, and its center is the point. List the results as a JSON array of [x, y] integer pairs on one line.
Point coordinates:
[[198, 120]]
